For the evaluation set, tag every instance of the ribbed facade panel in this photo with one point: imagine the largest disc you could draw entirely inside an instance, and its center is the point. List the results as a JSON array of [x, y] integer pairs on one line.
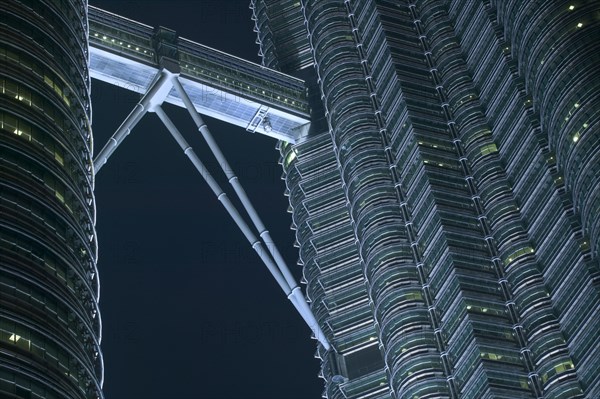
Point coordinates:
[[541, 185], [49, 320], [466, 194], [281, 35]]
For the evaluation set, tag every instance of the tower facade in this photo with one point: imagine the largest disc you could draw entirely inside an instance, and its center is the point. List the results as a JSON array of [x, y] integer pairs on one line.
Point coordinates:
[[446, 198], [49, 320]]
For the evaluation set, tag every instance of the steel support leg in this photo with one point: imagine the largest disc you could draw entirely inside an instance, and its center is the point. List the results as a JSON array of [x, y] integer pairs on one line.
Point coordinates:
[[241, 193], [161, 86], [293, 293]]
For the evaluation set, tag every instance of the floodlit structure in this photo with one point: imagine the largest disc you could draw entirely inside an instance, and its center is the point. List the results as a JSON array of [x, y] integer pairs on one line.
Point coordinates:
[[50, 327], [441, 158], [49, 320], [124, 52], [446, 198]]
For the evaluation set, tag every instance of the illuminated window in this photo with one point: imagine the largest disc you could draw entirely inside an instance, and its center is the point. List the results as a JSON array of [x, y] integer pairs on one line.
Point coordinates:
[[22, 133], [59, 158], [57, 89], [289, 158], [491, 356], [518, 253], [489, 149], [558, 369], [14, 338]]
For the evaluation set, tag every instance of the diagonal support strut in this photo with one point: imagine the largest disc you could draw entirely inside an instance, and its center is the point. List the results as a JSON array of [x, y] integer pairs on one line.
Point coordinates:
[[156, 94], [294, 294], [151, 102]]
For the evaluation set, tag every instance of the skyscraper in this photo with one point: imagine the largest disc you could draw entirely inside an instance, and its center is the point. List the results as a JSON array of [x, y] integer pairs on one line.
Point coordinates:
[[446, 198], [49, 321]]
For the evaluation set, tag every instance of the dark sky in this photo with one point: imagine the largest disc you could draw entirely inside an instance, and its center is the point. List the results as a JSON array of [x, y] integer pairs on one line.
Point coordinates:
[[188, 309]]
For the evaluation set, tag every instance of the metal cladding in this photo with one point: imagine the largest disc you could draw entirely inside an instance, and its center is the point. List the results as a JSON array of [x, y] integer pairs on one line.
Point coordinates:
[[447, 215], [49, 320], [445, 193]]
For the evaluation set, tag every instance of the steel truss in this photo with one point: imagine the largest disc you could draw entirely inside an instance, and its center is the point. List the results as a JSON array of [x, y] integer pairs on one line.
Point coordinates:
[[162, 85]]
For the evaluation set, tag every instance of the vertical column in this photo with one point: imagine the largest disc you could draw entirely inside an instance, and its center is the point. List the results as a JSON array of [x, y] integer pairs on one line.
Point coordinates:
[[374, 206], [49, 322]]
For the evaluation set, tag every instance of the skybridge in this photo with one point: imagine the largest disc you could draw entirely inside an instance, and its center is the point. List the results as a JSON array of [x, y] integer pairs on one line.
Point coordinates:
[[165, 68], [130, 54]]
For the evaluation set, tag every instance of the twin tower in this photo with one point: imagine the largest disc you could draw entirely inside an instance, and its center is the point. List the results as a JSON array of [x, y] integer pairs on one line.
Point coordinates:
[[442, 160]]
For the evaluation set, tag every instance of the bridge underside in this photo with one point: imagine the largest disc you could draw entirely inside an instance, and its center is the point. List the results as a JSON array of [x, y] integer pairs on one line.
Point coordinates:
[[164, 68], [129, 55]]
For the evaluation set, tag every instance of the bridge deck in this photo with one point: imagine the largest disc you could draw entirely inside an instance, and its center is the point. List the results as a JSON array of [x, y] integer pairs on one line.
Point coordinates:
[[127, 54]]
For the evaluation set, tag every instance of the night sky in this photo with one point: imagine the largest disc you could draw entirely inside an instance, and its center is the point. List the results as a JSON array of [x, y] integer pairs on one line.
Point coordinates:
[[188, 309]]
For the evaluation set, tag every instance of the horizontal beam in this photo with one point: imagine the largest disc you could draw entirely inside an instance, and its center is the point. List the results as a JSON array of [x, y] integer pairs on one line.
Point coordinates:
[[128, 54]]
